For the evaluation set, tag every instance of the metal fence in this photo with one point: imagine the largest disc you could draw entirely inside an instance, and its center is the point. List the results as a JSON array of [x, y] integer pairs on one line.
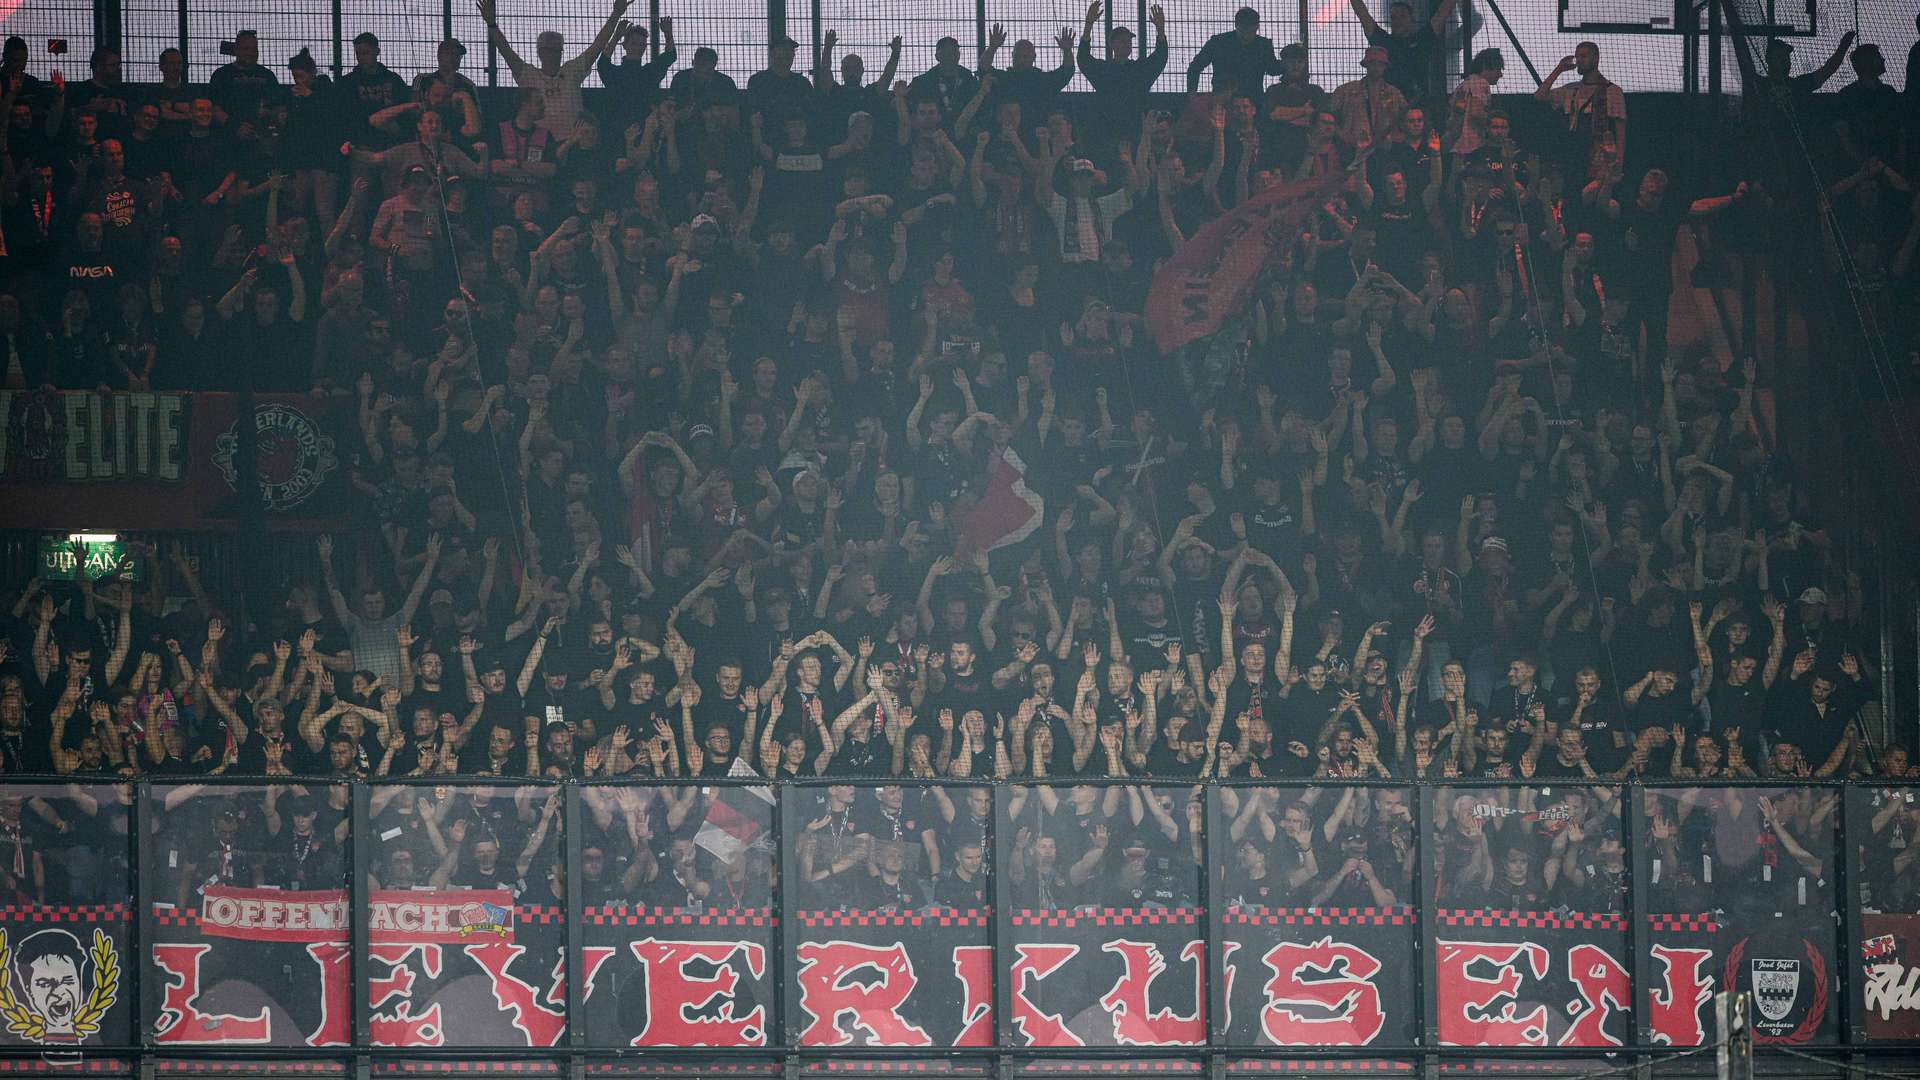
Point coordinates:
[[739, 32], [1270, 926]]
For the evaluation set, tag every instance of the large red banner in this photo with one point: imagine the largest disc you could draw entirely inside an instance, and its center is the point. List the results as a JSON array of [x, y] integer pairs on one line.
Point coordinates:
[[155, 460], [1212, 276]]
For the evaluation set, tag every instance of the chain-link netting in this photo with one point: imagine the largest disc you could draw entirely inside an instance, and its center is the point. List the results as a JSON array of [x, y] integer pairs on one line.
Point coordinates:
[[738, 31]]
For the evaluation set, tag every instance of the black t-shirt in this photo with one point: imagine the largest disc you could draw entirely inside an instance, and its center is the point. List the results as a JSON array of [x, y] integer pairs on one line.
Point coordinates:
[[1409, 59]]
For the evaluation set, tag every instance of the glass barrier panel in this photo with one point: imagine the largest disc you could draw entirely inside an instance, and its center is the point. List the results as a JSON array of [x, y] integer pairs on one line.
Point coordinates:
[[1101, 940], [888, 917], [1311, 896], [1883, 830], [65, 924], [252, 929], [1527, 911], [676, 907], [1740, 895], [466, 916]]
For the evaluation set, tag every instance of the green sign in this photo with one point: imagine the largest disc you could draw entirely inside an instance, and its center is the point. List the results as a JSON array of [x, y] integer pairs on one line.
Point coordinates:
[[61, 558]]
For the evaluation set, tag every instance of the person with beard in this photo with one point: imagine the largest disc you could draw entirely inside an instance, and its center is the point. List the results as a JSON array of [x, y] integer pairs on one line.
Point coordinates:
[[1512, 706], [1582, 705], [1370, 679], [422, 681], [1490, 754], [495, 755], [1354, 882], [487, 673], [965, 684], [556, 697]]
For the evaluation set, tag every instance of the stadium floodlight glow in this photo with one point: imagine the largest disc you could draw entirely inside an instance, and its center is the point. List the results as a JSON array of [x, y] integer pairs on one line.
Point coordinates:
[[94, 537]]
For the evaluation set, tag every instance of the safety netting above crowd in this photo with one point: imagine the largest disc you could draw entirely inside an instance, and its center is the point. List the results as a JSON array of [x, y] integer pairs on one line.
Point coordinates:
[[943, 425]]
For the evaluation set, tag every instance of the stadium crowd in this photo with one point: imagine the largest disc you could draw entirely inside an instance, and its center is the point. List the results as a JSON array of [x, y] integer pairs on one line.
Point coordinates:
[[817, 427]]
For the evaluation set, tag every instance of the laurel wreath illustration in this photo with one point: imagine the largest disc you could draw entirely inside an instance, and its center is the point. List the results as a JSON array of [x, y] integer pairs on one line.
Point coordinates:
[[27, 1024], [1816, 1012]]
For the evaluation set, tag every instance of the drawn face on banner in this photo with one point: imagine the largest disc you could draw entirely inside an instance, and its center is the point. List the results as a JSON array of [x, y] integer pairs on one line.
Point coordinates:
[[46, 994], [53, 983]]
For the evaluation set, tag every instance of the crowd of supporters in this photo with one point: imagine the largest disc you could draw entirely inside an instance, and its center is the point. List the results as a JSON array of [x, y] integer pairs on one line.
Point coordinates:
[[689, 415]]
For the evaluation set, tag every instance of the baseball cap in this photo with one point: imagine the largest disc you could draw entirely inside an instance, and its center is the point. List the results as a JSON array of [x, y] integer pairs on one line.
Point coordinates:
[[1082, 165], [440, 596], [1494, 543], [1815, 595], [455, 44], [705, 221], [785, 42]]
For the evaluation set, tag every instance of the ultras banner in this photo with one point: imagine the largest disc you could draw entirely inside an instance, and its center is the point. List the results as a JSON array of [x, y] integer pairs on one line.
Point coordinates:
[[1108, 976], [677, 977], [1785, 964], [62, 975], [155, 460], [268, 967], [1889, 975], [1529, 978], [1295, 976], [883, 978]]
